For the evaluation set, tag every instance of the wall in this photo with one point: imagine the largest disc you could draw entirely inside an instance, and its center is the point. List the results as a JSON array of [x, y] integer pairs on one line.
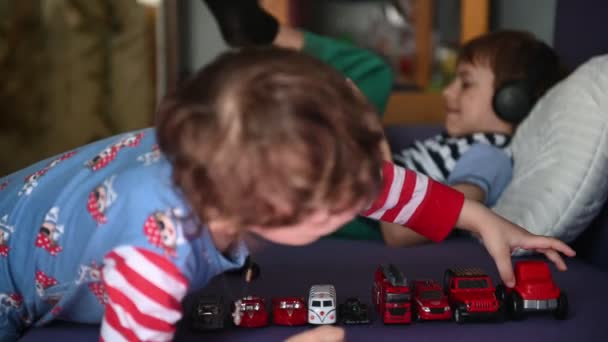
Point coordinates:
[[201, 40], [537, 16], [578, 33]]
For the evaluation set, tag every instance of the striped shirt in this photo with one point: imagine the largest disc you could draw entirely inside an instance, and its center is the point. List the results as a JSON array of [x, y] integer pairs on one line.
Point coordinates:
[[437, 156], [99, 234], [417, 202]]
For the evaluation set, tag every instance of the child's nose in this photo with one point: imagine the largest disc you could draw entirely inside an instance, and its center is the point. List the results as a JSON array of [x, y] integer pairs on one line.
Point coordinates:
[[449, 92]]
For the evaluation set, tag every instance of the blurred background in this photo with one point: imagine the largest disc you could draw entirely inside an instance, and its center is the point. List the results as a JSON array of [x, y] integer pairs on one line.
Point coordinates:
[[74, 71]]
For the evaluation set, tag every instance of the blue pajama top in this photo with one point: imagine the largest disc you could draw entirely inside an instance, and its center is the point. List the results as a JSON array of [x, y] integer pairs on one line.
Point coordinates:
[[60, 217]]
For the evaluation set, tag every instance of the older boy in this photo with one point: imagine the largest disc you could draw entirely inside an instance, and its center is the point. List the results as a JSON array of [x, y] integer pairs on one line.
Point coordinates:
[[499, 77]]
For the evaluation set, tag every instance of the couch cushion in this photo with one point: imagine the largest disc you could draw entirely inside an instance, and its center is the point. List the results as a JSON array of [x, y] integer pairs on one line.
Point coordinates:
[[561, 157]]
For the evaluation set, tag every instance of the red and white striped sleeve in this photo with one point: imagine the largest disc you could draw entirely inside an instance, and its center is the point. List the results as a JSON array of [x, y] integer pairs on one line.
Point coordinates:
[[144, 293], [417, 202]]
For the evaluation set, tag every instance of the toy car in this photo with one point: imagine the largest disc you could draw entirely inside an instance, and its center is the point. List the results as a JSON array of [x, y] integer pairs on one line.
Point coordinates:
[[471, 294], [535, 291], [322, 304], [430, 302], [391, 295], [289, 311], [250, 312], [208, 313], [353, 312]]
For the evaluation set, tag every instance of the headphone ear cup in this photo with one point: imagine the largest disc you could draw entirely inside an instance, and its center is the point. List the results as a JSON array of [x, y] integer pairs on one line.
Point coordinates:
[[513, 101]]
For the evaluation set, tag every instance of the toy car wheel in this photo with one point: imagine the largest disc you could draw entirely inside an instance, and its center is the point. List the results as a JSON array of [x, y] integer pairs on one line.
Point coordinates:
[[501, 293], [501, 313], [415, 314], [517, 307], [447, 276], [458, 318], [562, 307]]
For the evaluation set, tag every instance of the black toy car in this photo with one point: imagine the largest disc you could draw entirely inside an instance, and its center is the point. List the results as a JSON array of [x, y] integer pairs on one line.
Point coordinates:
[[208, 313], [352, 311]]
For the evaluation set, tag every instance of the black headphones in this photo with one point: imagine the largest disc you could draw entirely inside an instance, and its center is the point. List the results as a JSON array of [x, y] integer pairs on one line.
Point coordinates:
[[514, 99]]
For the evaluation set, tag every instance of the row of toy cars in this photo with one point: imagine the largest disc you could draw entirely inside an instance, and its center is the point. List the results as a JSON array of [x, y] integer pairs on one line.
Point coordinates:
[[465, 294], [209, 313]]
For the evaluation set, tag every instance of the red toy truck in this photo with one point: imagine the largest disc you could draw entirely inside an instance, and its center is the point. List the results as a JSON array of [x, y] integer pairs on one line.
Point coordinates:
[[471, 294], [391, 295], [430, 302], [289, 311], [535, 291], [250, 312]]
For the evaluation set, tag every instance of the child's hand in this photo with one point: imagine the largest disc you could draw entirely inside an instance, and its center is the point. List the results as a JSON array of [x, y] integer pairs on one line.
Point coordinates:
[[501, 237]]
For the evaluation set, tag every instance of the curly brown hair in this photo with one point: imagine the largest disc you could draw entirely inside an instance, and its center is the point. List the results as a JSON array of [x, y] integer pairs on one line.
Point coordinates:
[[266, 136]]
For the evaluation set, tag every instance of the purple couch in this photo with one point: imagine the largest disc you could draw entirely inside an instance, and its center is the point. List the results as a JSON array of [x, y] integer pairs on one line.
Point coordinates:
[[349, 265]]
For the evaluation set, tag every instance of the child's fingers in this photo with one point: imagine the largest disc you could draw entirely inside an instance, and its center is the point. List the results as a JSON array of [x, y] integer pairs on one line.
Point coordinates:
[[542, 242], [505, 269], [554, 257], [562, 247]]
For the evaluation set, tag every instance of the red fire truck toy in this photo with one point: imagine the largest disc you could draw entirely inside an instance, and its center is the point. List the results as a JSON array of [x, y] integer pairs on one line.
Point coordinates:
[[391, 295]]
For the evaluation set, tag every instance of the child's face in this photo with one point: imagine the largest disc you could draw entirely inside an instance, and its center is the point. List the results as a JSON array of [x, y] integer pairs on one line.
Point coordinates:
[[468, 100], [309, 230]]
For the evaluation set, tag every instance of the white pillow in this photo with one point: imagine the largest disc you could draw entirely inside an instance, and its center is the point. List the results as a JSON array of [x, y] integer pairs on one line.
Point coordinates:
[[560, 157]]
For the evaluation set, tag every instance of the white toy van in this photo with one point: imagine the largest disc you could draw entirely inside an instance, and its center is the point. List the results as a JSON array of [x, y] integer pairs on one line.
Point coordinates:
[[322, 304]]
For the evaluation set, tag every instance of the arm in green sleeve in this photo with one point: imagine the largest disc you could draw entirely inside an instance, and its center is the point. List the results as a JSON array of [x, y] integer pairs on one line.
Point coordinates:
[[367, 70]]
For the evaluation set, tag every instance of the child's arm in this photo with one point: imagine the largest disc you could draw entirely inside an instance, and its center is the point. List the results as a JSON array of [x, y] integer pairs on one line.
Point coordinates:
[[416, 201], [501, 237], [471, 191], [144, 292], [482, 173], [433, 209]]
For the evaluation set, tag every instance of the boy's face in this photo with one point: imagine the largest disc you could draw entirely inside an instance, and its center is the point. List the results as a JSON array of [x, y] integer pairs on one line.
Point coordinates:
[[309, 230], [468, 100]]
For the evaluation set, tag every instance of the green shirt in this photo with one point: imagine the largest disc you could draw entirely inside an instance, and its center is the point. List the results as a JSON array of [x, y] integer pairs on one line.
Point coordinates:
[[374, 78], [366, 69]]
